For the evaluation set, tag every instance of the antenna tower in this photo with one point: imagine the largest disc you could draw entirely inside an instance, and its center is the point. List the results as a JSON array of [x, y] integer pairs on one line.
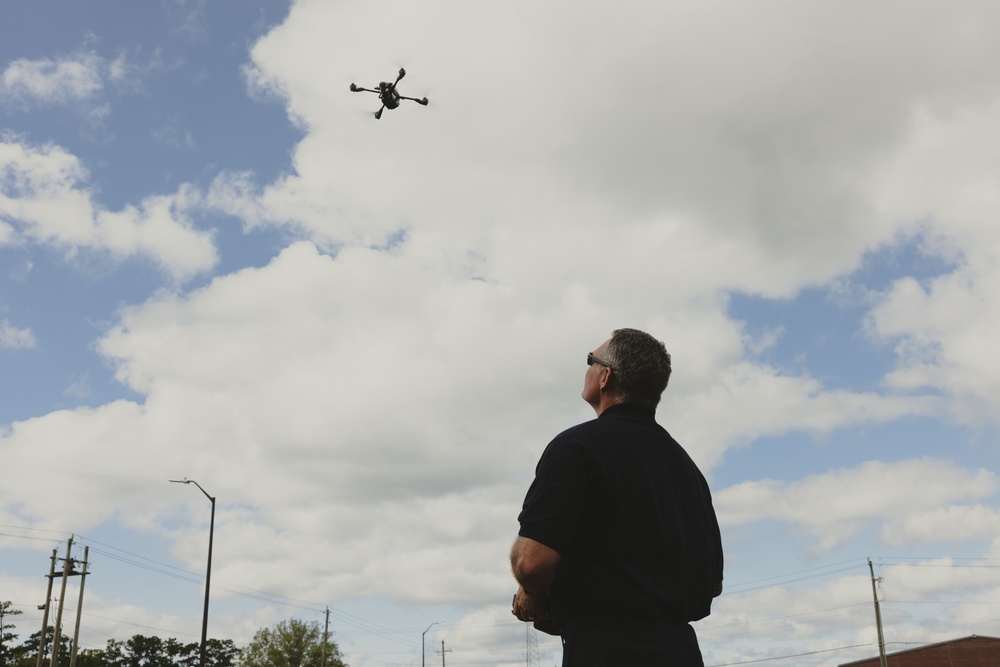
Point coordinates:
[[531, 649]]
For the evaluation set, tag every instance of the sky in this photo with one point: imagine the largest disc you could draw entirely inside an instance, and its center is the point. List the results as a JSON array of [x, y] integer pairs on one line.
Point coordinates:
[[358, 335]]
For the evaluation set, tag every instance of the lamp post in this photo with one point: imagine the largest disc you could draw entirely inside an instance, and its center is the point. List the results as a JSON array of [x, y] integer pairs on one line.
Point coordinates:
[[422, 636], [208, 575]]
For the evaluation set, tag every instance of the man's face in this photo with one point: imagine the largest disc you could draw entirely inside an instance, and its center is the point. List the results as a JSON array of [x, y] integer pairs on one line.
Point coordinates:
[[596, 372]]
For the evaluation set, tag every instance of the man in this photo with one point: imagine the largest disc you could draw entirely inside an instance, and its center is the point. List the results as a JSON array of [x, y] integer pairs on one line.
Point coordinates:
[[619, 547]]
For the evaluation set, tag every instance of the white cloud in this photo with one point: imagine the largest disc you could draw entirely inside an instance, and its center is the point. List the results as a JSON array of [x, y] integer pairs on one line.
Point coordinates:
[[945, 328], [64, 81], [812, 623], [79, 388], [396, 438], [761, 143], [837, 505], [759, 401], [937, 579], [175, 135], [490, 635], [42, 194], [352, 428], [402, 450], [828, 623], [12, 337], [952, 523], [118, 68], [787, 611]]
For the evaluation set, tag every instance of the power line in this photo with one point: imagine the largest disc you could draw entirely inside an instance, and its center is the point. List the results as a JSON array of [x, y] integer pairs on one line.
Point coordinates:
[[713, 629], [785, 657], [925, 558], [729, 591], [152, 565], [405, 637], [27, 537], [852, 561]]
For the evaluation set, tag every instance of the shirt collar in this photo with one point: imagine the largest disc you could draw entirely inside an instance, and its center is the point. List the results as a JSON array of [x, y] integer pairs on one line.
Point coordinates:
[[629, 409]]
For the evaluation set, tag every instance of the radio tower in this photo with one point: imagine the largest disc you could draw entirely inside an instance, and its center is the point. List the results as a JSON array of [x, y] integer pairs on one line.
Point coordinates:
[[531, 653]]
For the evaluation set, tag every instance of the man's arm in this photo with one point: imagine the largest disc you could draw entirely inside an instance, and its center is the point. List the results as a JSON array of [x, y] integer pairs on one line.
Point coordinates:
[[533, 564], [534, 567]]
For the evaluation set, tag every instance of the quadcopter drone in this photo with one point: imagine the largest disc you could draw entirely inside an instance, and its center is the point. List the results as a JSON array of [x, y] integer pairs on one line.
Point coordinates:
[[388, 94]]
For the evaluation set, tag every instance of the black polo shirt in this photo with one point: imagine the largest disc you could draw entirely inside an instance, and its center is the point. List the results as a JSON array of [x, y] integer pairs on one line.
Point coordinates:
[[630, 515]]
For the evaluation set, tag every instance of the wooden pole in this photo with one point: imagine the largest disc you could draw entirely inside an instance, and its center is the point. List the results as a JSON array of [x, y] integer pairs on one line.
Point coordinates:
[[878, 618], [79, 609], [67, 566], [326, 634], [45, 614]]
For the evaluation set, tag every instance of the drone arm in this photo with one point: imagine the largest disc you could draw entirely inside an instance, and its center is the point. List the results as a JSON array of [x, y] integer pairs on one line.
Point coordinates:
[[415, 99]]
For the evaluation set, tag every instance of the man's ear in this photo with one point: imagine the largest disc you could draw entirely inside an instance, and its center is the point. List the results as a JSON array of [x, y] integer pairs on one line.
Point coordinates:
[[605, 378]]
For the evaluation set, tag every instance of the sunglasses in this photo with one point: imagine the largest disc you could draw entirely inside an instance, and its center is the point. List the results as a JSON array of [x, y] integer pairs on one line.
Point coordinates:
[[591, 360]]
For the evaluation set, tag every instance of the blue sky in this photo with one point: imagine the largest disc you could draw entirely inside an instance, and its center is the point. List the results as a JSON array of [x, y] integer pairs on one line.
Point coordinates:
[[359, 334]]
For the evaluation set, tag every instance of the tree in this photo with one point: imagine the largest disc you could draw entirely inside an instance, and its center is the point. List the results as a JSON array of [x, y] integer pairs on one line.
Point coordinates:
[[142, 651], [29, 649], [90, 657], [8, 654], [221, 653], [291, 643], [138, 651]]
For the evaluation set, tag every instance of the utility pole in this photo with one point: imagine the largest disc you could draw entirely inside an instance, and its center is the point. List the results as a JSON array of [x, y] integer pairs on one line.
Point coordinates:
[[79, 608], [878, 618], [443, 651], [326, 634], [67, 569], [45, 614]]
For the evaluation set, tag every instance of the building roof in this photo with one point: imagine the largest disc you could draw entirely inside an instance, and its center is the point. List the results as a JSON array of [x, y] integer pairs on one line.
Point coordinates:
[[900, 657]]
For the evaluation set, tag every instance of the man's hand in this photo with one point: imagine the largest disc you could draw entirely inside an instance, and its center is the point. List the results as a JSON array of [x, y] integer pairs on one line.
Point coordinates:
[[534, 565], [530, 607]]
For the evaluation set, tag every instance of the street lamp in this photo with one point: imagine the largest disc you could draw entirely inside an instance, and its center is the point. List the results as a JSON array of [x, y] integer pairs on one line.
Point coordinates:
[[208, 576], [424, 634]]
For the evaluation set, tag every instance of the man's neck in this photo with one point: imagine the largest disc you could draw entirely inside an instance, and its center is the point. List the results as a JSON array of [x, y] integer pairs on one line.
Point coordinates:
[[607, 400]]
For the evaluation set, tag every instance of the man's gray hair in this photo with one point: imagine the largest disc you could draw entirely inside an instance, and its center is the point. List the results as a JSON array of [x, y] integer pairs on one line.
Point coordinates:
[[640, 367]]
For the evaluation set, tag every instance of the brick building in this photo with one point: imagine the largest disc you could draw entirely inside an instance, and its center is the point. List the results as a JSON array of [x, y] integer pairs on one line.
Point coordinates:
[[965, 652]]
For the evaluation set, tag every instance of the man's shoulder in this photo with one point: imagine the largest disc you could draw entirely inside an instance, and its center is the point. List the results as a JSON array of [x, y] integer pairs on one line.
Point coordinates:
[[577, 433], [616, 425], [601, 427]]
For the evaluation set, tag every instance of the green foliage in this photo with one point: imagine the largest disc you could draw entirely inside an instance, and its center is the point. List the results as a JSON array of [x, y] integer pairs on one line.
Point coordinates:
[[142, 651], [220, 653], [138, 651], [90, 657], [8, 654], [291, 643], [28, 650]]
